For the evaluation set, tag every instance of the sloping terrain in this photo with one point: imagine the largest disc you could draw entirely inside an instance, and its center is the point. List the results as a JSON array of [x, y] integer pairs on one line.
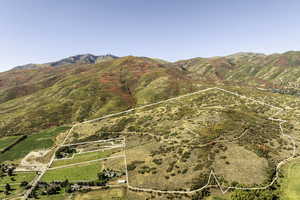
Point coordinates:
[[184, 139], [169, 146], [79, 92], [77, 89], [247, 68]]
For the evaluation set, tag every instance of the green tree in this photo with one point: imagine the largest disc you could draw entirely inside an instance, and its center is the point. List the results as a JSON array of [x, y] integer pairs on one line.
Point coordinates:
[[24, 184]]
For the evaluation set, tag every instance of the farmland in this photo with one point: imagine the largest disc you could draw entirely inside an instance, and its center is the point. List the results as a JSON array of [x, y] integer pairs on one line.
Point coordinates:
[[291, 183], [6, 141], [85, 172], [37, 141]]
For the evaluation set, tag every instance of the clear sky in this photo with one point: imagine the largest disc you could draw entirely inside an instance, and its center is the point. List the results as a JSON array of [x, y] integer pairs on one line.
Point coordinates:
[[39, 31]]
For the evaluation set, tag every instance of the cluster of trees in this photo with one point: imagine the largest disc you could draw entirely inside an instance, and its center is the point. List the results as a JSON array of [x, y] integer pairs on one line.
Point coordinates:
[[7, 190], [8, 187], [134, 164], [64, 152], [201, 194], [271, 193], [289, 91], [255, 195], [44, 188], [52, 188], [107, 174], [7, 170]]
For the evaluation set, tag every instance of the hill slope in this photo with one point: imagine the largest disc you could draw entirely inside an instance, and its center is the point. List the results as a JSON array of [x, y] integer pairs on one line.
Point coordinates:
[[87, 86], [250, 68], [54, 96]]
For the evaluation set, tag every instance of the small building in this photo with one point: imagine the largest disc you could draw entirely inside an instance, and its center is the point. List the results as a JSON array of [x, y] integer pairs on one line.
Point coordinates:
[[121, 181]]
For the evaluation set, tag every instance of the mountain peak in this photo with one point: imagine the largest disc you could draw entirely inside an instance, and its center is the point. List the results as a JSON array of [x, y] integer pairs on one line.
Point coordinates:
[[81, 58]]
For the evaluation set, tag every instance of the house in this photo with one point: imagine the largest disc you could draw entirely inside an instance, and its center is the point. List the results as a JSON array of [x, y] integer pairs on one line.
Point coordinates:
[[121, 181]]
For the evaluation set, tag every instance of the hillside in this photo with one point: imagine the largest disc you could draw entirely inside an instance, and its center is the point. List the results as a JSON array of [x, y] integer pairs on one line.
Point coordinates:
[[183, 125], [34, 99], [247, 68], [86, 86]]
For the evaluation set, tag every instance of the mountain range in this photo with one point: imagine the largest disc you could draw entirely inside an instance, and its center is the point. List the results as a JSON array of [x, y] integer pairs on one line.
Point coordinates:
[[82, 59], [77, 88]]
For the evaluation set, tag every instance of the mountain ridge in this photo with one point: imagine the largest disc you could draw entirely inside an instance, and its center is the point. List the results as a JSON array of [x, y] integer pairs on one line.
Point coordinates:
[[79, 91], [80, 58]]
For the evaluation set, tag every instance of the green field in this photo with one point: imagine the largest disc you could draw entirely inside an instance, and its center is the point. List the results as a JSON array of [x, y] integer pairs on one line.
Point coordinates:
[[18, 178], [292, 186], [6, 141], [41, 140], [76, 173], [82, 158]]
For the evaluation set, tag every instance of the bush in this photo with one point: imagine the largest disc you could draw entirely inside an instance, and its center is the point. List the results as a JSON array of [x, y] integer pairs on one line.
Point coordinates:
[[157, 161]]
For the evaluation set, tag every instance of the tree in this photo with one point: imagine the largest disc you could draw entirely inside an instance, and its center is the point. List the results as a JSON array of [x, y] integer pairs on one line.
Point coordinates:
[[10, 171], [24, 184], [53, 190], [65, 183], [102, 176], [201, 194], [2, 173], [7, 187], [68, 188]]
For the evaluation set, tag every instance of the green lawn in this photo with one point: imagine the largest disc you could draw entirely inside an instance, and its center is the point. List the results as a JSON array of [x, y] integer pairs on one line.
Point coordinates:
[[86, 172], [6, 141], [41, 140], [19, 177], [82, 158], [292, 189]]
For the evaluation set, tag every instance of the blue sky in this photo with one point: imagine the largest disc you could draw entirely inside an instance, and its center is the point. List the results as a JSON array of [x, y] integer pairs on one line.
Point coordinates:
[[38, 31]]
